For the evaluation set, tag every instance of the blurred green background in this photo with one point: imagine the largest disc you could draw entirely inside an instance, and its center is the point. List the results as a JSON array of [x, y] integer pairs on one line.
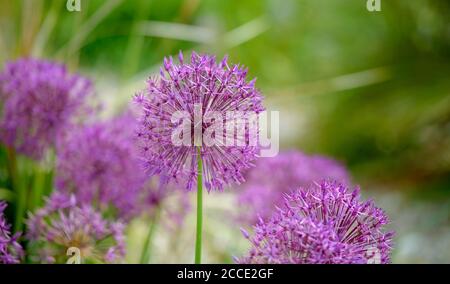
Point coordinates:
[[370, 89]]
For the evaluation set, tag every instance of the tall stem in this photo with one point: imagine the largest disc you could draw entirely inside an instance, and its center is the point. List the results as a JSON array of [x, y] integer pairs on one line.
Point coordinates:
[[37, 189], [20, 194], [42, 181], [146, 251], [198, 241]]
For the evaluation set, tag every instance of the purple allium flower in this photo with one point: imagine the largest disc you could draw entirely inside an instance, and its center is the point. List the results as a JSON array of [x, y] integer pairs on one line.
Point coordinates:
[[99, 164], [322, 223], [11, 251], [188, 87], [62, 224], [40, 99], [272, 177]]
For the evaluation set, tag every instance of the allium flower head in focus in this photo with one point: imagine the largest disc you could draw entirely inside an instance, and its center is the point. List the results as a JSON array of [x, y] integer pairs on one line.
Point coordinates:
[[322, 223], [201, 87], [271, 178], [11, 251], [39, 100], [62, 225]]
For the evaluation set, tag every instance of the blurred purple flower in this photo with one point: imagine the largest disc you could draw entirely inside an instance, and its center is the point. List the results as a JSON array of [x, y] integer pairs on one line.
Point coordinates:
[[62, 224], [181, 88], [11, 251], [40, 99], [322, 223], [272, 177], [98, 163]]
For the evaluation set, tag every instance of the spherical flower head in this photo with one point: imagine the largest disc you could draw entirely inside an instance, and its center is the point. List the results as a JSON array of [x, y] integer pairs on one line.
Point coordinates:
[[322, 223], [99, 164], [62, 226], [11, 251], [208, 95], [271, 178], [40, 100]]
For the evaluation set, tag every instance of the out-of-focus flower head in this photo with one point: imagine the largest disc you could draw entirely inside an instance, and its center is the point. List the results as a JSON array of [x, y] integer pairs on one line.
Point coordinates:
[[11, 251], [271, 178], [40, 100], [199, 88], [62, 225], [322, 223], [98, 163]]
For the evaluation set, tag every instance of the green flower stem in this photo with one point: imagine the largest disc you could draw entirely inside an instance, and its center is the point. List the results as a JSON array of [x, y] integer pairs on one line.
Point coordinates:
[[42, 181], [146, 250], [38, 187], [20, 194], [198, 241]]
